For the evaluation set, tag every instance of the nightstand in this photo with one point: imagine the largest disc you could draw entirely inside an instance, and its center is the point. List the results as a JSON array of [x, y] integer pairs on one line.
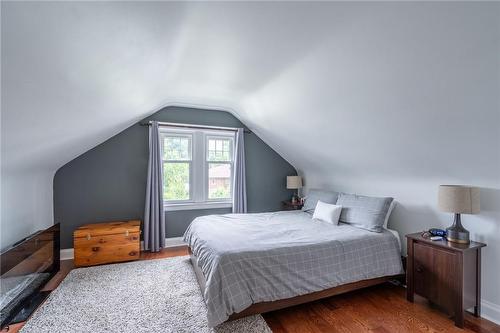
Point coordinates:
[[288, 205], [447, 274]]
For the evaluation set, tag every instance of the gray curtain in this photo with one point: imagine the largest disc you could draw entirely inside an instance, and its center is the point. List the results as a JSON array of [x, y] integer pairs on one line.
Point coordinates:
[[239, 182], [154, 216]]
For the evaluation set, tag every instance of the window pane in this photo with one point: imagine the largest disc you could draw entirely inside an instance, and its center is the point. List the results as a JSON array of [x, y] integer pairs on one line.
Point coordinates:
[[219, 150], [219, 180], [177, 148], [176, 181], [211, 145]]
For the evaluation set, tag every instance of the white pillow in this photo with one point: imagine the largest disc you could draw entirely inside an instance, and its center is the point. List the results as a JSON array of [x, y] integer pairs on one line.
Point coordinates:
[[327, 212], [389, 211]]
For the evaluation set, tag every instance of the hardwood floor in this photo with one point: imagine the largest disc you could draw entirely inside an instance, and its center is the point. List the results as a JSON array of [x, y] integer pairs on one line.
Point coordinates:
[[379, 309]]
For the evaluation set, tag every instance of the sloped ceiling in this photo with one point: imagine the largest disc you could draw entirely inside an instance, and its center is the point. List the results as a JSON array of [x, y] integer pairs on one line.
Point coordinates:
[[74, 74]]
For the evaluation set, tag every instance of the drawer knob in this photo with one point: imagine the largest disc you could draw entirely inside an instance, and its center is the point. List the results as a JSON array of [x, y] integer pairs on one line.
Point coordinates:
[[420, 269], [95, 248]]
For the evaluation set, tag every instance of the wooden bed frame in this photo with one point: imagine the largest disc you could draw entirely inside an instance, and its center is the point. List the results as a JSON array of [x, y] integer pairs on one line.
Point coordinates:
[[287, 302]]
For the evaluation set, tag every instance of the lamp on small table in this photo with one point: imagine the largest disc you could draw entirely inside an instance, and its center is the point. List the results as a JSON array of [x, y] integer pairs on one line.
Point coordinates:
[[294, 183], [458, 199]]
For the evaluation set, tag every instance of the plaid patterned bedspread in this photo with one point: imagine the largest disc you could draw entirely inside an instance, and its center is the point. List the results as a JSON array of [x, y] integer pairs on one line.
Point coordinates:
[[252, 258]]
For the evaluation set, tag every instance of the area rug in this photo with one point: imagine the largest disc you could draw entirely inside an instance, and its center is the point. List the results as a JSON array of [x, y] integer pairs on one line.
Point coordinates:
[[160, 295]]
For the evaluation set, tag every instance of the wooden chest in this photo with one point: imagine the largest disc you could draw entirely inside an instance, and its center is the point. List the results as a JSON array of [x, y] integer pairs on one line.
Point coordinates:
[[103, 243]]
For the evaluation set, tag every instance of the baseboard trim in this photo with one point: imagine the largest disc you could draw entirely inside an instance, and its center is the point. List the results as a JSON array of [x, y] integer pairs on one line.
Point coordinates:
[[174, 241], [169, 242], [490, 311], [67, 254]]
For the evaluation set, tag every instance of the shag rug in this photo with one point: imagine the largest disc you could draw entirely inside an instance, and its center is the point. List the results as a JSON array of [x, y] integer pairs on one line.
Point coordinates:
[[160, 295]]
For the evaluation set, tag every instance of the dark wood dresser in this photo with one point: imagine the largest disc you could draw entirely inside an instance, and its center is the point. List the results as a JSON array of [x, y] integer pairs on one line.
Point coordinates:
[[447, 274]]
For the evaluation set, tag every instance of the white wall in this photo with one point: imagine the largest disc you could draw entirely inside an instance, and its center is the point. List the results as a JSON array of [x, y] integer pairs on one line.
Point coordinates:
[[26, 204], [400, 100]]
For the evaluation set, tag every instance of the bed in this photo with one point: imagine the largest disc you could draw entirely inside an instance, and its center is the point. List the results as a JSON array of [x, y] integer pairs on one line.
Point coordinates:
[[254, 263]]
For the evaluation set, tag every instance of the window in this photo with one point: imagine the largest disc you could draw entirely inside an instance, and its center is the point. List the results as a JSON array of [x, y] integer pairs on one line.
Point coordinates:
[[197, 168], [177, 167], [220, 166]]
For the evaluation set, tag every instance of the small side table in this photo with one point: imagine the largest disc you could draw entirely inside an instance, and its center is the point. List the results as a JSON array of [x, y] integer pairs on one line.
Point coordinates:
[[447, 274], [288, 205]]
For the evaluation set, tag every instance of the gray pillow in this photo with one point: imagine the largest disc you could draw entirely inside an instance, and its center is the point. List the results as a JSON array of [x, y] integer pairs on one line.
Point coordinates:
[[364, 212], [314, 195]]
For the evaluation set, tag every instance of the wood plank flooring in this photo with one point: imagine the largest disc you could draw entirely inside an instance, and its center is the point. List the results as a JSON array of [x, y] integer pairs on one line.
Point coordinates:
[[379, 309]]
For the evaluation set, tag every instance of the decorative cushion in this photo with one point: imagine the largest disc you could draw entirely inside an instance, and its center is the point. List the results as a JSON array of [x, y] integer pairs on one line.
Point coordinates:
[[364, 212], [389, 211], [314, 195], [327, 212]]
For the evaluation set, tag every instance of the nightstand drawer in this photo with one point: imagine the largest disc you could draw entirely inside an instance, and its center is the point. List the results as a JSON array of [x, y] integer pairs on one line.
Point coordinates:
[[435, 274]]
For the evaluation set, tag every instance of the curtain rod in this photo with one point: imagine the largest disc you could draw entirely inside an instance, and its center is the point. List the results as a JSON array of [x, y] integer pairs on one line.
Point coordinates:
[[166, 124]]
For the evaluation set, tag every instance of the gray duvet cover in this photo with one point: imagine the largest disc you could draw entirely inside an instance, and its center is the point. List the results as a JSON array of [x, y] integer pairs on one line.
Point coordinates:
[[252, 258]]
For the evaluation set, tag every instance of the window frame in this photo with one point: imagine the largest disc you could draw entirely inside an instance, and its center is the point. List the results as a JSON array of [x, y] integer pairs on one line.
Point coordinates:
[[198, 176], [209, 136], [175, 133]]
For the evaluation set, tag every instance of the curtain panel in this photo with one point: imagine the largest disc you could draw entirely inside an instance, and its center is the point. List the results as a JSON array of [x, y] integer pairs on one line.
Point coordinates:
[[154, 216], [239, 180]]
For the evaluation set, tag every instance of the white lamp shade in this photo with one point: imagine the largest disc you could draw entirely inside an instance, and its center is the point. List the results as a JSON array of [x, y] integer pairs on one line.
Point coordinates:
[[458, 199], [293, 182]]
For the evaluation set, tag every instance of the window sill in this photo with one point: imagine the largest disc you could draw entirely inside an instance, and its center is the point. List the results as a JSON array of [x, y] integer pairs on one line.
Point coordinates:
[[196, 205]]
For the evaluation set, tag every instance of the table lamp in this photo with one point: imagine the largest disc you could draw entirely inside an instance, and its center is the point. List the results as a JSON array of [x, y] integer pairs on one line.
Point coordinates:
[[458, 199], [294, 183]]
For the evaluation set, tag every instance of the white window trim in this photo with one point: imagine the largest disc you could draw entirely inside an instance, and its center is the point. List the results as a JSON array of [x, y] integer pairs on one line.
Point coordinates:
[[209, 135], [170, 207], [180, 133], [199, 171]]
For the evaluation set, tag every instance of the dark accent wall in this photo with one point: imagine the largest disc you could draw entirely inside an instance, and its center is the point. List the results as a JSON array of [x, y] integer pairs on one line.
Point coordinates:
[[108, 182]]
